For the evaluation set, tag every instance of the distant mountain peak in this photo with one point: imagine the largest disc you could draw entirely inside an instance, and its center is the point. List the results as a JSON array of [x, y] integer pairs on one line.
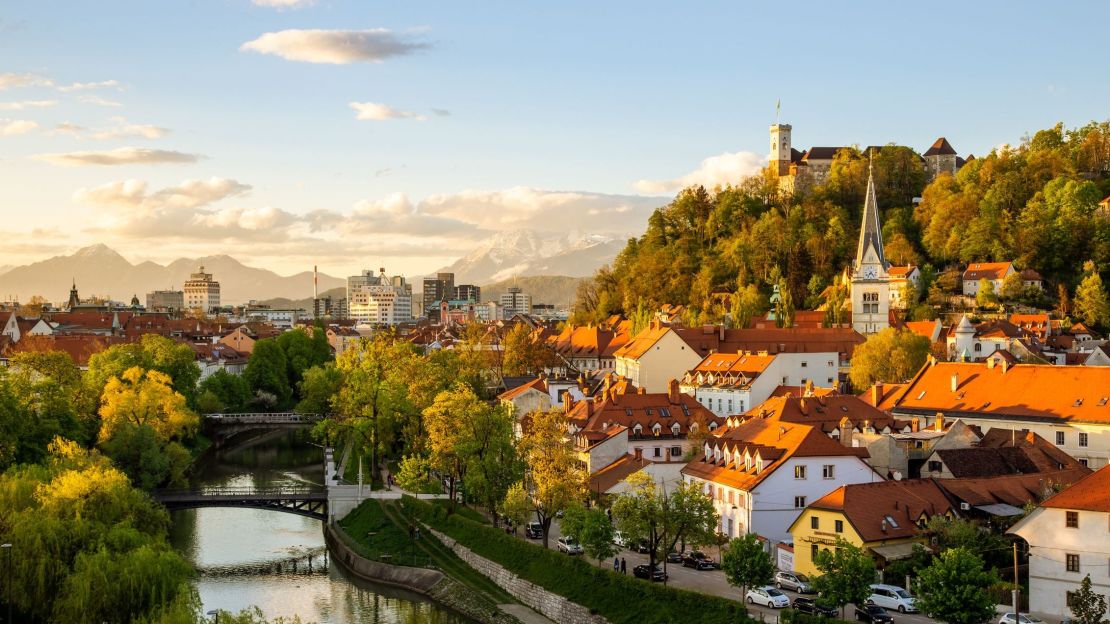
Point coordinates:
[[520, 252]]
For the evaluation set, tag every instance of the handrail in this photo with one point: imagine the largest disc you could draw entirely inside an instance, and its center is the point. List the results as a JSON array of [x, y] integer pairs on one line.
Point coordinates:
[[277, 492]]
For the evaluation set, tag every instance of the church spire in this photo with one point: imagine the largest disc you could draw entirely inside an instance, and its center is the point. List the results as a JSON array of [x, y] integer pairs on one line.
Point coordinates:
[[870, 232]]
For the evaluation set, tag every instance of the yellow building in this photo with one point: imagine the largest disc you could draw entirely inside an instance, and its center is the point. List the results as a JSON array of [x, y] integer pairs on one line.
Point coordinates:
[[884, 518]]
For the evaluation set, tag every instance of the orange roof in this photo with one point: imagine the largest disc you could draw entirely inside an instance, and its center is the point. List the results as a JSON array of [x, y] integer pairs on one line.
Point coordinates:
[[799, 391], [887, 509], [1091, 493], [987, 270], [900, 271], [603, 480], [1034, 391], [599, 413], [635, 348], [539, 384], [711, 339], [728, 369], [922, 328], [1017, 490], [826, 413]]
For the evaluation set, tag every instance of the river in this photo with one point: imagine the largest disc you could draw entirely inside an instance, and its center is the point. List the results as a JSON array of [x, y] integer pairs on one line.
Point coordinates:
[[276, 560]]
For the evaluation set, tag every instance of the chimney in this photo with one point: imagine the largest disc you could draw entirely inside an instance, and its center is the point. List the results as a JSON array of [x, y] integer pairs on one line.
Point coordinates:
[[1005, 366], [915, 424], [990, 362], [641, 390], [939, 425], [876, 394], [955, 382], [613, 395], [722, 332], [568, 402], [672, 392], [590, 406]]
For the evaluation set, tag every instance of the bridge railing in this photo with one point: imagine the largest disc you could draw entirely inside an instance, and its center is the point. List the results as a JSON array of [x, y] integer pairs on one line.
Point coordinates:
[[245, 492], [258, 418]]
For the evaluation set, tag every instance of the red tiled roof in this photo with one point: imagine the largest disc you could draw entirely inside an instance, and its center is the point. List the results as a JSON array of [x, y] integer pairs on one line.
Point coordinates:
[[539, 384], [887, 509], [987, 270], [940, 147], [1091, 493]]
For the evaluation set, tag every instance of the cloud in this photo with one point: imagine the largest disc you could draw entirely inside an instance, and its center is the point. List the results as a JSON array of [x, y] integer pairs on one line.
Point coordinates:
[[526, 207], [188, 194], [122, 129], [283, 4], [16, 126], [25, 104], [720, 170], [89, 86], [99, 101], [371, 111], [441, 112], [67, 127], [337, 47], [11, 80], [118, 156]]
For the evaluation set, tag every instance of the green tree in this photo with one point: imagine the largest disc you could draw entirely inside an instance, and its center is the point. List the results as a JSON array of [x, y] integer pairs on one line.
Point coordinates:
[[147, 460], [1091, 303], [846, 575], [524, 352], [1087, 605], [593, 530], [145, 397], [954, 588], [268, 371], [317, 389], [414, 473], [553, 477], [223, 392], [891, 355], [34, 409], [986, 297], [1012, 287], [176, 360], [747, 563], [303, 350], [745, 304], [646, 511]]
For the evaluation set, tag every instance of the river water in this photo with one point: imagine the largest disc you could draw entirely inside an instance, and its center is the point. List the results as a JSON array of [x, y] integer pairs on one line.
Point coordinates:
[[276, 560]]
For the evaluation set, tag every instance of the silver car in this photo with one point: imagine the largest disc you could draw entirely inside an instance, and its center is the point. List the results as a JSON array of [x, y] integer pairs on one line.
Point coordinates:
[[569, 545], [794, 582]]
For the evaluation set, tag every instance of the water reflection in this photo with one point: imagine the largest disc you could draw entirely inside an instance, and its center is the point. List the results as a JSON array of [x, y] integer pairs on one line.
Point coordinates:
[[275, 560]]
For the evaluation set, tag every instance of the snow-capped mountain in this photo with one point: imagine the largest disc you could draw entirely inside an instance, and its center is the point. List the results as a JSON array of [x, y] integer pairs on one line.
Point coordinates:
[[513, 253]]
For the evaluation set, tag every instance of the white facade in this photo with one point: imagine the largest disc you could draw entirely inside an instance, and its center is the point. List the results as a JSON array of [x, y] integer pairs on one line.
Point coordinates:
[[282, 319], [514, 302], [202, 293], [669, 358], [1087, 442], [786, 369], [870, 280], [1052, 543], [378, 299]]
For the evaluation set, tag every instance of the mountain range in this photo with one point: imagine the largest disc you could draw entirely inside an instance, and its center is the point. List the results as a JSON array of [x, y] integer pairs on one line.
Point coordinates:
[[100, 271], [515, 253]]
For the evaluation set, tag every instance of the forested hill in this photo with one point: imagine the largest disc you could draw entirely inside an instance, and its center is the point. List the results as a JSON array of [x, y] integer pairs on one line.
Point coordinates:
[[1036, 204]]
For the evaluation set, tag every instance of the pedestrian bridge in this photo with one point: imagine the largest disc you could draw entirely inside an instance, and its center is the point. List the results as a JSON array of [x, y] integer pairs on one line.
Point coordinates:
[[301, 501]]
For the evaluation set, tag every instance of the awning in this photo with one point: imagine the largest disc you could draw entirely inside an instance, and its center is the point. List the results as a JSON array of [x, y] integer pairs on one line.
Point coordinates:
[[894, 551], [1001, 509]]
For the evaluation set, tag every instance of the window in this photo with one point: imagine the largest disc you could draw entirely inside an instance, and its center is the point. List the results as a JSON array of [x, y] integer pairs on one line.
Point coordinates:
[[1083, 461], [1082, 439], [828, 471], [799, 502], [676, 451], [730, 497], [813, 550], [1072, 562], [805, 364], [1071, 519], [934, 466], [978, 347], [1060, 438], [830, 363], [839, 526], [814, 522], [658, 452], [800, 472]]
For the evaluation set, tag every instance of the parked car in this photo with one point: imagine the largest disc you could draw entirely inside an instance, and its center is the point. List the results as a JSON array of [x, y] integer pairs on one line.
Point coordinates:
[[569, 545], [674, 557], [533, 530], [794, 582], [892, 597], [620, 540], [1008, 618], [698, 560], [810, 606], [768, 597], [873, 614], [642, 571], [642, 547]]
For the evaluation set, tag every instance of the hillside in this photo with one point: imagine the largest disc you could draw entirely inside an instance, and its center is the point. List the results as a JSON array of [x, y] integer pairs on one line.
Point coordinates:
[[514, 253]]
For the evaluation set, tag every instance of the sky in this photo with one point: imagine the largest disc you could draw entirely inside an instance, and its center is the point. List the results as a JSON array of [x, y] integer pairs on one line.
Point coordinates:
[[355, 134]]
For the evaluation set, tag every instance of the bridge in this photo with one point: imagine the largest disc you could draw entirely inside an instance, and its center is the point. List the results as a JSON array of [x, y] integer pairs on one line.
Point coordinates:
[[300, 501]]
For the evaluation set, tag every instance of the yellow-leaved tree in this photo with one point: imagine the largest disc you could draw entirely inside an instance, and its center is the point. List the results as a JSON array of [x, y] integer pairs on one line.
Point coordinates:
[[145, 397], [553, 475]]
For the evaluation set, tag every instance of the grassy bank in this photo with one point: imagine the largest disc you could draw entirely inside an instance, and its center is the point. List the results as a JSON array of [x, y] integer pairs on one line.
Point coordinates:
[[620, 599]]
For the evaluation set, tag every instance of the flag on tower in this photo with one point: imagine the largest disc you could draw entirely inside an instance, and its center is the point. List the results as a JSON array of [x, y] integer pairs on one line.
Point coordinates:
[[778, 107]]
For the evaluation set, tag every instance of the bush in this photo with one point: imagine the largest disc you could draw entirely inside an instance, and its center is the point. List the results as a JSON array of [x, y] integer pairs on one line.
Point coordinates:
[[597, 589]]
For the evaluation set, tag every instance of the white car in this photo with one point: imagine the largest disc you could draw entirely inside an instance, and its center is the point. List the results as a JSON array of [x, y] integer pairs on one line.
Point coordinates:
[[569, 545], [892, 597], [620, 540], [768, 597], [1008, 618]]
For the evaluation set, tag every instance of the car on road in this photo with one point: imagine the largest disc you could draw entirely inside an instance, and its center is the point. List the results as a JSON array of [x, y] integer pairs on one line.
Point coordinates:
[[699, 561], [641, 547], [533, 530], [768, 597], [892, 597], [794, 582], [644, 571], [810, 606], [1008, 618], [569, 545], [674, 557], [620, 540], [873, 614]]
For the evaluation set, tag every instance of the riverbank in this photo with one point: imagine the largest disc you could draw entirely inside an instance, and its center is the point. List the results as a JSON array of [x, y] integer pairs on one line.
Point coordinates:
[[430, 583]]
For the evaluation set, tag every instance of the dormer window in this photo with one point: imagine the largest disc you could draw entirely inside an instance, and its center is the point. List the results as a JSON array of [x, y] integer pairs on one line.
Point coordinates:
[[638, 429], [675, 429], [656, 429]]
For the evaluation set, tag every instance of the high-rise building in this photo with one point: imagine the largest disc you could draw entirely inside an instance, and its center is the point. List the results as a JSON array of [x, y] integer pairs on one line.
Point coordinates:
[[515, 301], [165, 301], [329, 307], [379, 299], [437, 289], [202, 293], [467, 292]]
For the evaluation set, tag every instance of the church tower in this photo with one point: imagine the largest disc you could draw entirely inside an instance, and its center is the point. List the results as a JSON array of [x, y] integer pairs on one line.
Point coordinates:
[[870, 280], [74, 300], [780, 149]]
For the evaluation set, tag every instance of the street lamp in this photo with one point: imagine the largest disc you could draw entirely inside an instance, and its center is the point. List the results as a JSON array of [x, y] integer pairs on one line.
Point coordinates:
[[215, 616], [8, 549]]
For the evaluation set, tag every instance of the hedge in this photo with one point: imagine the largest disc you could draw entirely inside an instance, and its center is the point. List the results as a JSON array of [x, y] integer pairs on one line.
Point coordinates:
[[622, 599]]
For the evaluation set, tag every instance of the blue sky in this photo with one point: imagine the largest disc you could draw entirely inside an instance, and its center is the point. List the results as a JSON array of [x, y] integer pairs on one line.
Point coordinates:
[[552, 116]]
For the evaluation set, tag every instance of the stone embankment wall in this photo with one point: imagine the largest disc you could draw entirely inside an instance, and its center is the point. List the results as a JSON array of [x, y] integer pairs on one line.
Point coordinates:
[[431, 583], [551, 605]]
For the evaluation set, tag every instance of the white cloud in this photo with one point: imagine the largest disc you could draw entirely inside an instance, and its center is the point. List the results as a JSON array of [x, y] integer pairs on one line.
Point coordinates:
[[122, 129], [119, 156], [16, 126], [525, 207], [99, 101], [248, 219], [27, 104], [188, 194], [89, 86], [333, 46], [720, 170], [10, 80], [371, 111], [67, 127], [284, 4]]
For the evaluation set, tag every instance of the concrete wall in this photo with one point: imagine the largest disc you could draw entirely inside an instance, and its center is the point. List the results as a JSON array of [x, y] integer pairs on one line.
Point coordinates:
[[551, 605]]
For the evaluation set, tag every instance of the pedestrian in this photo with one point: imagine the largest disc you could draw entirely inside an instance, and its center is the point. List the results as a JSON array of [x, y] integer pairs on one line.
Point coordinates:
[[616, 564], [624, 566]]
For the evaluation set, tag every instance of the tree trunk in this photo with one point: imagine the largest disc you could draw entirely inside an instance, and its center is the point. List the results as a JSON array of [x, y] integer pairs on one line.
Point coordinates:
[[545, 524]]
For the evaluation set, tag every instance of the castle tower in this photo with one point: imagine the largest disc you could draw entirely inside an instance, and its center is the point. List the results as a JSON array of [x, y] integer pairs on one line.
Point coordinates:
[[870, 280], [780, 148]]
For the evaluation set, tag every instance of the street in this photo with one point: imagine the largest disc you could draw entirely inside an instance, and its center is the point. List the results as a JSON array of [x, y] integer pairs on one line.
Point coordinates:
[[713, 582]]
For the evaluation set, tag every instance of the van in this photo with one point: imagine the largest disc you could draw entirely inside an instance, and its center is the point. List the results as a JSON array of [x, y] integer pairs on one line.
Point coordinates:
[[892, 597]]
